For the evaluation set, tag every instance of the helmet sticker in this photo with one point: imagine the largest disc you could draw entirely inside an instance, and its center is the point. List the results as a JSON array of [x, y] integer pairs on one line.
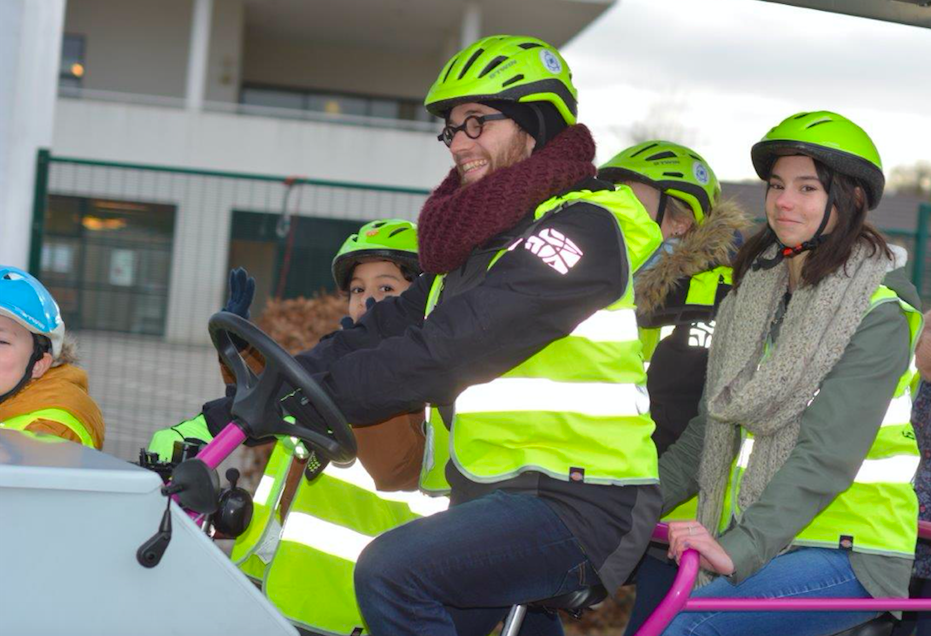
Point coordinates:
[[550, 61], [701, 173], [372, 233]]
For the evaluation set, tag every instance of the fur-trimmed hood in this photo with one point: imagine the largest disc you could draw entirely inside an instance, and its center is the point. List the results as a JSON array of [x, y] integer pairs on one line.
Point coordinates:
[[705, 247]]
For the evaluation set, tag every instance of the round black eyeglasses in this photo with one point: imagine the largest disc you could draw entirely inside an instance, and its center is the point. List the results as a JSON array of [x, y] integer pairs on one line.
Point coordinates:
[[472, 127]]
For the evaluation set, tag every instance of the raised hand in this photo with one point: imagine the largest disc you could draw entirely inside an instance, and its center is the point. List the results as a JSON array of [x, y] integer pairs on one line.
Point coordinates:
[[242, 291]]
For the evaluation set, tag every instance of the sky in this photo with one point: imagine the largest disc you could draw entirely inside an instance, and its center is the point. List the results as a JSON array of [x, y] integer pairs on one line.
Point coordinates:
[[718, 74]]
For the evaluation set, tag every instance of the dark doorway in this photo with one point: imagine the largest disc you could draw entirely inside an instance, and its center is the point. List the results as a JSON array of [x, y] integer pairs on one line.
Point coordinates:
[[108, 262], [296, 265]]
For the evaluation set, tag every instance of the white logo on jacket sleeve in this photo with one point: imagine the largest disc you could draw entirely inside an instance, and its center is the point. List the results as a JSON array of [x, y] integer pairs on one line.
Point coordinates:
[[554, 248]]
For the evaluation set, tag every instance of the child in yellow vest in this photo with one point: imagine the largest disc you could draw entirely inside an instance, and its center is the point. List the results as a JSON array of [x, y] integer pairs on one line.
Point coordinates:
[[41, 389]]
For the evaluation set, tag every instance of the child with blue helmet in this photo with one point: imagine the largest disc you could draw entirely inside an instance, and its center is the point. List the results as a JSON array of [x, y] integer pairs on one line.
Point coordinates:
[[41, 388]]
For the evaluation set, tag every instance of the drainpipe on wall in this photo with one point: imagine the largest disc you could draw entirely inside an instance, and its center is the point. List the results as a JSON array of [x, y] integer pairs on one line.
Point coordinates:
[[197, 55], [471, 28]]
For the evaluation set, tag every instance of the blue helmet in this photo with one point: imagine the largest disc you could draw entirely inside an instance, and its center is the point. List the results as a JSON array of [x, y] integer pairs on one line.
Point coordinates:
[[24, 299]]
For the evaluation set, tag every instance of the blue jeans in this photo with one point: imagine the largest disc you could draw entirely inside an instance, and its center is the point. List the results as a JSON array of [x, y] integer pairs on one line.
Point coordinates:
[[459, 571], [802, 573], [653, 579]]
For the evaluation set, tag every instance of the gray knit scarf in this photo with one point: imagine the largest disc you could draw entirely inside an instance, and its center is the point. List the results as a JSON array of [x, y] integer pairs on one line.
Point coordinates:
[[769, 398]]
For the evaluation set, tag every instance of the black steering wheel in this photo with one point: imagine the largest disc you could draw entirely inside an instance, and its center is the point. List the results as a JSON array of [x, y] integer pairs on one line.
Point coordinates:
[[256, 402]]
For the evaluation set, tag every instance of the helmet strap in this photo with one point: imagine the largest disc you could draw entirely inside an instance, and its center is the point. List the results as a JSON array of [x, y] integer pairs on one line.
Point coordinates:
[[38, 350], [661, 208], [540, 137], [785, 251]]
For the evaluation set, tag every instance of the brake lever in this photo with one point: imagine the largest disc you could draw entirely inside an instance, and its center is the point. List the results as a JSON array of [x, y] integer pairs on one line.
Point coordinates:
[[309, 436]]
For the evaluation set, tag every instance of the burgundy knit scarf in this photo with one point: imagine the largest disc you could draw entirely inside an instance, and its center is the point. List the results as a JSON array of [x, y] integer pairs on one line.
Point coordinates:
[[454, 221]]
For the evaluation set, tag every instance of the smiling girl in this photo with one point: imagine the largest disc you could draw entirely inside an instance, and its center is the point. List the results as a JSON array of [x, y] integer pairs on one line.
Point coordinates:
[[802, 454]]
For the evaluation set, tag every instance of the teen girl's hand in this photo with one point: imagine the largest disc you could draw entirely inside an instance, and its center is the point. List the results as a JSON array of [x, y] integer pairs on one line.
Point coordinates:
[[691, 534]]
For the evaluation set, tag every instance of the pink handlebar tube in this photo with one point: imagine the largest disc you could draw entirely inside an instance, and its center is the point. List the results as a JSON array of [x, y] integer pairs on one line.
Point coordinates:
[[213, 454], [223, 445], [677, 599], [807, 605], [924, 529]]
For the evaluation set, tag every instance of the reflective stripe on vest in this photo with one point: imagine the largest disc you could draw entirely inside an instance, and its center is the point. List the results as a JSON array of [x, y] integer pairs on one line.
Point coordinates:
[[577, 410], [265, 517], [20, 422], [877, 513], [330, 522]]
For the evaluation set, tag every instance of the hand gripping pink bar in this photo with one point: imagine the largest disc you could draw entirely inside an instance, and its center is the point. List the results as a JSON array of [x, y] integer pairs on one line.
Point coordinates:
[[677, 599]]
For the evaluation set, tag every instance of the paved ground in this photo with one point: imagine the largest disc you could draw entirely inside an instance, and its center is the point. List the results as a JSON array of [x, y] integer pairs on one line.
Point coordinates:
[[143, 384]]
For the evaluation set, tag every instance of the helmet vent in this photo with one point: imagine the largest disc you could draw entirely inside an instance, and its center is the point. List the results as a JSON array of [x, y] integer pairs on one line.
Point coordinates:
[[397, 231], [817, 123], [644, 149], [529, 45], [491, 65], [378, 224], [468, 65], [695, 157], [450, 68], [514, 79], [800, 115], [677, 175], [667, 154]]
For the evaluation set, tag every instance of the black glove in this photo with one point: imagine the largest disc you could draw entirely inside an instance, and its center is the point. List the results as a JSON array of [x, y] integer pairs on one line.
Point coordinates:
[[346, 322], [242, 291]]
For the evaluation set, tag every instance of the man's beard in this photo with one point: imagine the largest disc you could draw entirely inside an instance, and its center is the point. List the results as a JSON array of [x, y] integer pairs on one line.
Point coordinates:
[[513, 153]]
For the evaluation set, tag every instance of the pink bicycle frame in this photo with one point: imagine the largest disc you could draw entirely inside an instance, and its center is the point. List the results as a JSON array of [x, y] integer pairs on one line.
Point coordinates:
[[677, 599]]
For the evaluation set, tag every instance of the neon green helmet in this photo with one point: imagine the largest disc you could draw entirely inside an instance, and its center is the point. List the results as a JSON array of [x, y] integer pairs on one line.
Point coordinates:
[[678, 171], [831, 139], [393, 240], [505, 67]]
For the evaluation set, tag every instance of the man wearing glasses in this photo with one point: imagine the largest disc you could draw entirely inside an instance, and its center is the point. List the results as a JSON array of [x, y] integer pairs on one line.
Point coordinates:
[[521, 339]]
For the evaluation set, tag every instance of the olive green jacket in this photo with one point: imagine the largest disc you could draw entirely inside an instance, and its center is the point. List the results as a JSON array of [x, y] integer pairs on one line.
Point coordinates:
[[836, 432]]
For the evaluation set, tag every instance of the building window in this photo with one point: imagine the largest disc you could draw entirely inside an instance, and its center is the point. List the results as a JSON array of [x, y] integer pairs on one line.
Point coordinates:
[[107, 262], [71, 73], [334, 103]]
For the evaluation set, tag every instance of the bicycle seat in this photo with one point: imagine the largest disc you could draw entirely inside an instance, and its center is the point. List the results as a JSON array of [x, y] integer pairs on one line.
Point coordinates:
[[574, 602], [880, 626]]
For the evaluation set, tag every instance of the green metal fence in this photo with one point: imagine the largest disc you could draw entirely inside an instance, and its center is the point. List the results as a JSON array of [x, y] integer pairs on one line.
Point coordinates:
[[138, 256], [921, 253]]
